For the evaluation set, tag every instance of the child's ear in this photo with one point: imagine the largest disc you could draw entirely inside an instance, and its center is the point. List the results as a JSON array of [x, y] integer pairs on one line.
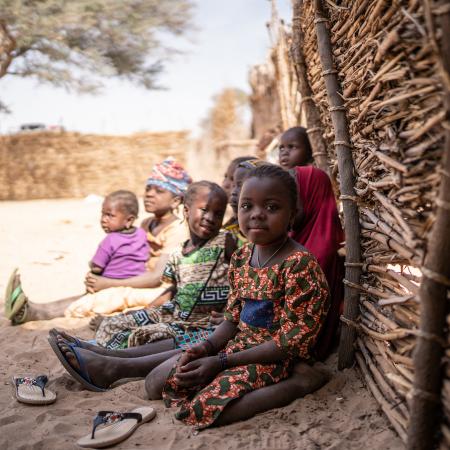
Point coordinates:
[[292, 221], [176, 202], [185, 211], [130, 221]]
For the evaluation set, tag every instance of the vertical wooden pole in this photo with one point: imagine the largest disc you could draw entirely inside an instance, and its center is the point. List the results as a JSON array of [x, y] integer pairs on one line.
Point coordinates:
[[313, 121], [434, 305], [347, 183]]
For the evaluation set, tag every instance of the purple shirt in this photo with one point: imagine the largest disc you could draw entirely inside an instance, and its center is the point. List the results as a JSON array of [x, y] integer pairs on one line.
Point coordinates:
[[122, 255]]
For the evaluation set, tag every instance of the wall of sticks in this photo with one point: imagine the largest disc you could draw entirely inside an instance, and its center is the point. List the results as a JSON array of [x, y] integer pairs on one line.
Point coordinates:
[[386, 78]]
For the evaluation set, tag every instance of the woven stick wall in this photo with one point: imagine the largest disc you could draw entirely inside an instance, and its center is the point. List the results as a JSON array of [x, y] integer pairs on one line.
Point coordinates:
[[393, 98], [62, 165]]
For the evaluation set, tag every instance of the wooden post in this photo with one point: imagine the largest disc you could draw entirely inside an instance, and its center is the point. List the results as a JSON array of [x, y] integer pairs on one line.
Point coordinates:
[[428, 370], [313, 121], [347, 183]]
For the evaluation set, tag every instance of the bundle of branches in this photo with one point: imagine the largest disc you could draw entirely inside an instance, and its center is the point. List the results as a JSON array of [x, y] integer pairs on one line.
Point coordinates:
[[392, 92]]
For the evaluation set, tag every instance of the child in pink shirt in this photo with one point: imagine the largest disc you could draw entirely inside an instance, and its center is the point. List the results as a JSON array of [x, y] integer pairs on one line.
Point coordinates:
[[124, 251]]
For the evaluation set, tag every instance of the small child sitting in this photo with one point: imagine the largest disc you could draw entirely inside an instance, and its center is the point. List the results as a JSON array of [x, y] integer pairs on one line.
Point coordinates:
[[124, 251], [294, 148]]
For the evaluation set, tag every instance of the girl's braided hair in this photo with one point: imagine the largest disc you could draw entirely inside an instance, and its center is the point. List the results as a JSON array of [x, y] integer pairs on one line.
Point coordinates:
[[277, 173], [193, 189]]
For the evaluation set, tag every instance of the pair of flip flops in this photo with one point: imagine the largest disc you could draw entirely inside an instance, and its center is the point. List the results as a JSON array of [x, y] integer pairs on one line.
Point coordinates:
[[16, 302], [118, 426], [32, 391]]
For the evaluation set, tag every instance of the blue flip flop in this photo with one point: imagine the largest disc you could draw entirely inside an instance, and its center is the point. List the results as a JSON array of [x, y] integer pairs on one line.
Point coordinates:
[[81, 376]]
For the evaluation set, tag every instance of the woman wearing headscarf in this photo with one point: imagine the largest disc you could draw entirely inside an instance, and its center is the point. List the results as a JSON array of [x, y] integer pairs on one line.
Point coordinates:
[[164, 192], [319, 229]]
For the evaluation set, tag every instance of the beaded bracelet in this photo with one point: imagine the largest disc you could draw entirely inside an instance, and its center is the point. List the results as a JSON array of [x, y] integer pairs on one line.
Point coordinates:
[[223, 359]]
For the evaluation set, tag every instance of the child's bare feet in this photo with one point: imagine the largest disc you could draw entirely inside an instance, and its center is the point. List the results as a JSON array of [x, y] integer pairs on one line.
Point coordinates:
[[309, 378]]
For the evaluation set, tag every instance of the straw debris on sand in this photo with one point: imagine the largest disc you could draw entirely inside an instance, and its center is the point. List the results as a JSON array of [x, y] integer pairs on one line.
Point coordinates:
[[53, 260]]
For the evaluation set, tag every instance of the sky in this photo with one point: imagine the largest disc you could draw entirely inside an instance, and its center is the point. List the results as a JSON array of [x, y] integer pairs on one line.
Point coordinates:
[[230, 37]]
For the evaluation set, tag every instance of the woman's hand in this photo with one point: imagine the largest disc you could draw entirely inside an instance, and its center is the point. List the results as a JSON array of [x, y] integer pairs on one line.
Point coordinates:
[[216, 318], [195, 352], [198, 372]]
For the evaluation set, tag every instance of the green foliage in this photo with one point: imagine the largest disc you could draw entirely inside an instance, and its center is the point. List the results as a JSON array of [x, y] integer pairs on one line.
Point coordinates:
[[76, 43]]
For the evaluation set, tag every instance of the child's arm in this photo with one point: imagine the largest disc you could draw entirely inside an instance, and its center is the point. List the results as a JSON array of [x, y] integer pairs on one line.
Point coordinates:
[[146, 280], [102, 256], [165, 297], [95, 269]]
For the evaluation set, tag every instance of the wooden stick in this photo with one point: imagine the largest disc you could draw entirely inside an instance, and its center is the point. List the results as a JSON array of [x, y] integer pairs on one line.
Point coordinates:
[[347, 183], [313, 121], [387, 409], [389, 393], [425, 407]]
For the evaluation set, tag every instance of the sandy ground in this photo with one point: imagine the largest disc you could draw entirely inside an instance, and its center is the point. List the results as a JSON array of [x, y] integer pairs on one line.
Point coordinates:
[[51, 242]]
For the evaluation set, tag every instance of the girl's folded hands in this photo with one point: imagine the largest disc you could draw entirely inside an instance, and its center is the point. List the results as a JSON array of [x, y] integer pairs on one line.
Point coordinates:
[[198, 372]]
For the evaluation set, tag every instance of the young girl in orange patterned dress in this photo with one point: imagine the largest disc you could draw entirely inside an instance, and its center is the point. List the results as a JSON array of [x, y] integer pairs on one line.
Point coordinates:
[[277, 305]]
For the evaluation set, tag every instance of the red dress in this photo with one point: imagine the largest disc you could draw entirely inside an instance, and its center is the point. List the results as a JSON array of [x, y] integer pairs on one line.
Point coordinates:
[[320, 231], [286, 303]]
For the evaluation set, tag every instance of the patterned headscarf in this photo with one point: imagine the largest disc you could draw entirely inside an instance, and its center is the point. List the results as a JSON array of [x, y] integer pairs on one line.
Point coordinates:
[[171, 176]]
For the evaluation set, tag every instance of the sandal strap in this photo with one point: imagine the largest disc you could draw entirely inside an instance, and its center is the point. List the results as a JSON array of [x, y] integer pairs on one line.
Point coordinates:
[[83, 371], [110, 417], [39, 381], [15, 293]]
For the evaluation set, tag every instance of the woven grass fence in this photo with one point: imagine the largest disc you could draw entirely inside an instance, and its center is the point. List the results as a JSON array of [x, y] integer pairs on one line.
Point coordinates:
[[62, 165], [379, 95]]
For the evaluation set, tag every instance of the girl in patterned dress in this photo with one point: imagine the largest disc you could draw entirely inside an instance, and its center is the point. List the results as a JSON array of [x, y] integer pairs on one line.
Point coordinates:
[[276, 307]]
